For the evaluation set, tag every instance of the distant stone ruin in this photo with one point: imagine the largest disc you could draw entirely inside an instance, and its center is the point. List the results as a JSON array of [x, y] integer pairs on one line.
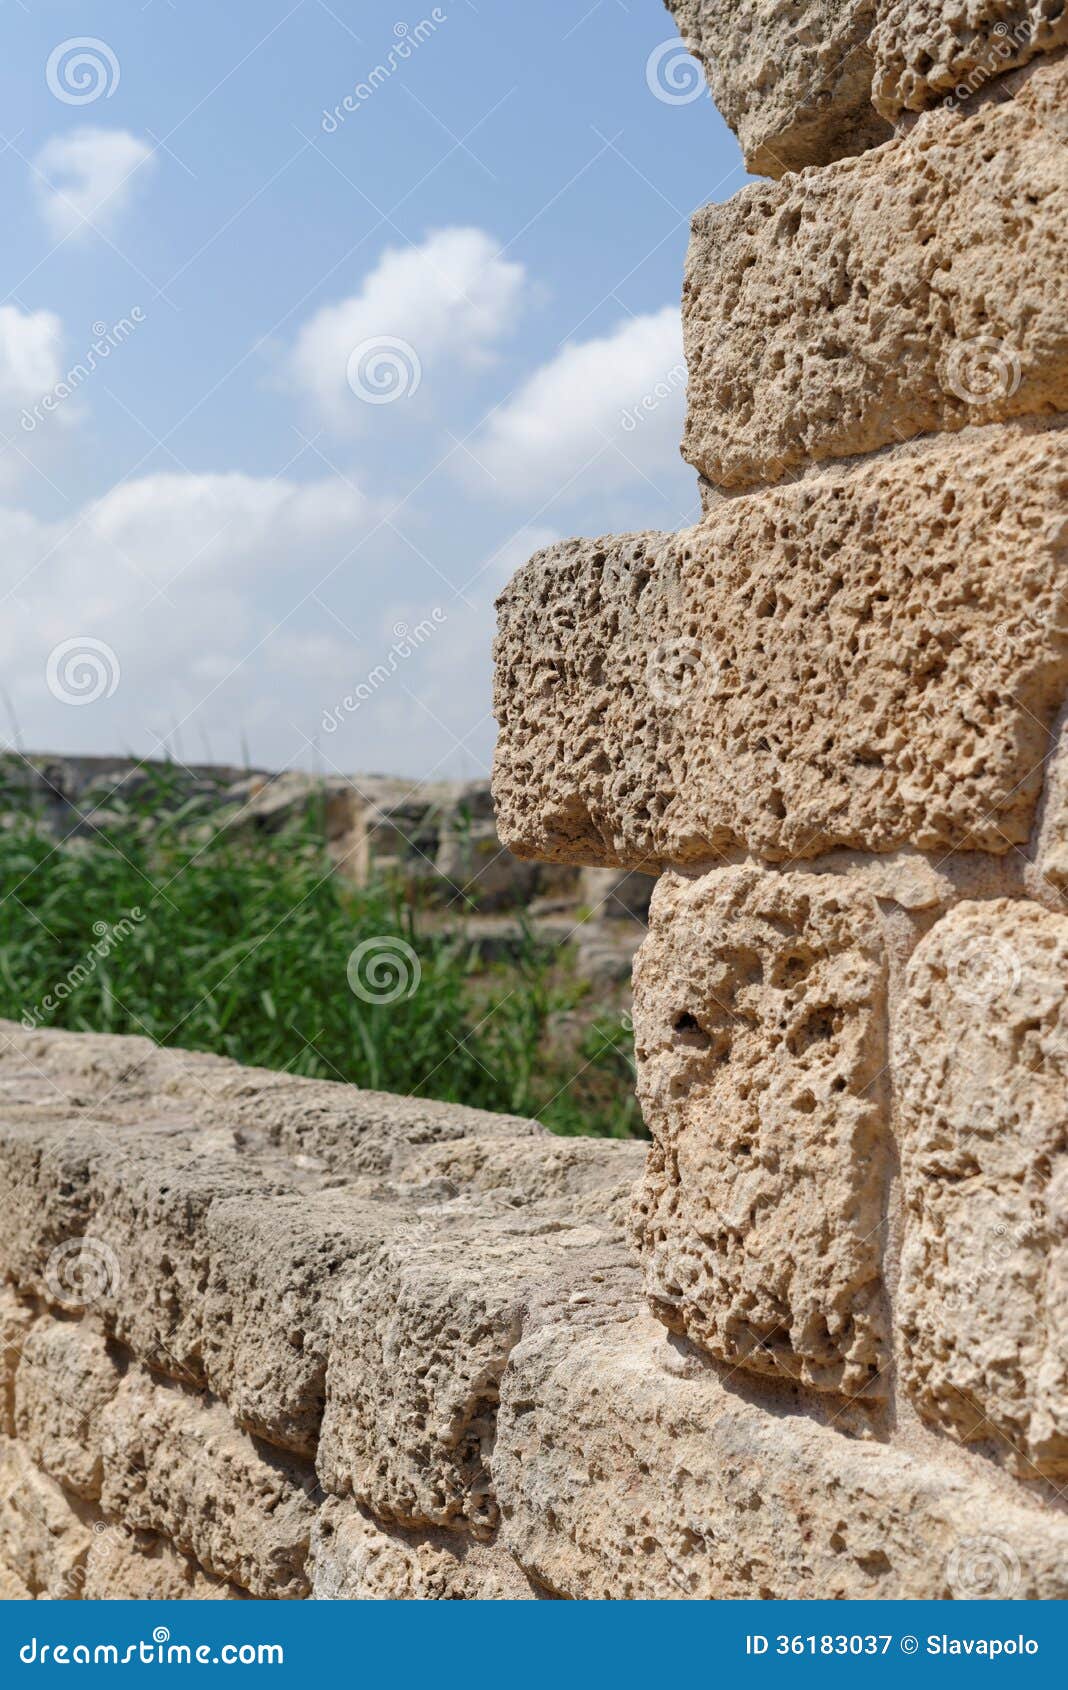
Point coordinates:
[[274, 1337]]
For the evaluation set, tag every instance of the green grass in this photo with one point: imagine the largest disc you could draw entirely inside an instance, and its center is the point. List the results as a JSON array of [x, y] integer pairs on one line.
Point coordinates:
[[212, 941]]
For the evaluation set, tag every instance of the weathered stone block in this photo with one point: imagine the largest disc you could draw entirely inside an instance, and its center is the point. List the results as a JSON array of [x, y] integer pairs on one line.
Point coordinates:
[[628, 1469], [843, 662], [65, 1380], [791, 77], [981, 1053], [928, 50], [760, 1033], [413, 1380], [44, 1533], [176, 1465], [354, 1559], [131, 1566], [278, 1267], [920, 287], [15, 1321]]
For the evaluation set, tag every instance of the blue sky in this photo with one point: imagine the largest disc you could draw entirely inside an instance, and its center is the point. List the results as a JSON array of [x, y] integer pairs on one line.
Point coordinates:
[[288, 390]]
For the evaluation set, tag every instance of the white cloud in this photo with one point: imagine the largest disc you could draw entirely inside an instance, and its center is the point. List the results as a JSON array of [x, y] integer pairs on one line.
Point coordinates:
[[195, 582], [30, 344], [87, 178], [600, 414], [449, 301]]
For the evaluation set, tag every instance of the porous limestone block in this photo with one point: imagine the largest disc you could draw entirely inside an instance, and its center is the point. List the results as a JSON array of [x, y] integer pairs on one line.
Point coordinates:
[[415, 1368], [353, 1558], [44, 1533], [132, 1566], [627, 1468], [920, 287], [176, 1465], [12, 1588], [1051, 843], [277, 1267], [870, 658], [928, 50], [760, 1036], [15, 1321], [981, 1055], [594, 1177], [66, 1378], [791, 77]]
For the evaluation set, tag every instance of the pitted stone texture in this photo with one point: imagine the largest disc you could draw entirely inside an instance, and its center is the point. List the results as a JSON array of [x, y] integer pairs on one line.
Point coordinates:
[[921, 287], [982, 1058], [1051, 844], [759, 1020], [869, 659], [15, 1321], [791, 77], [44, 1533], [412, 1387], [176, 1465], [628, 1468], [929, 50], [278, 1267], [355, 1559], [66, 1378], [12, 1588], [131, 1566]]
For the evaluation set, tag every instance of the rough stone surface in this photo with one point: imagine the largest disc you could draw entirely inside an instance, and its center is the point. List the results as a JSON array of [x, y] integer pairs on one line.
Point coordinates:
[[983, 1062], [630, 1468], [353, 1558], [15, 1321], [791, 77], [176, 1465], [870, 659], [44, 1533], [65, 1380], [929, 50], [759, 1020], [412, 1394], [918, 287], [132, 1566]]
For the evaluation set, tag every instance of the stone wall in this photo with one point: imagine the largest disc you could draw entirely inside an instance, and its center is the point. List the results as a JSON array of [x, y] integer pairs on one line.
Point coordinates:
[[831, 717], [274, 1337]]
